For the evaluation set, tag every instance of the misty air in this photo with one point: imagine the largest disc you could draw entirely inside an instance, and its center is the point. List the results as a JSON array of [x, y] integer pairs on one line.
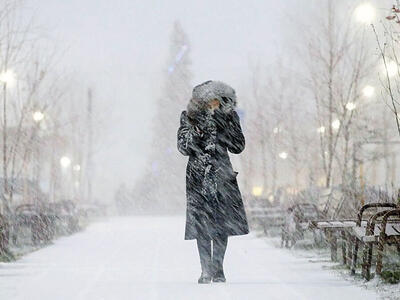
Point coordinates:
[[199, 149]]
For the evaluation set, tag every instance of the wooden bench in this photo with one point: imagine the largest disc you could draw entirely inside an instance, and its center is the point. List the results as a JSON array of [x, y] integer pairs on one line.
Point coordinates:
[[331, 229], [365, 232], [66, 216], [28, 215], [385, 233], [256, 215], [4, 235], [346, 230], [274, 218], [267, 218]]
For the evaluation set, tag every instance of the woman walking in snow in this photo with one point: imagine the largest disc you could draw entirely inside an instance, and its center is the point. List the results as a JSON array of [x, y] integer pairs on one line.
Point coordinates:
[[209, 128]]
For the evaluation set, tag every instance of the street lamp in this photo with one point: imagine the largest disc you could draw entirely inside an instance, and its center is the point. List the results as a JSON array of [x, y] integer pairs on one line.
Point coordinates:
[[350, 106], [321, 129], [277, 130], [7, 77], [65, 162], [368, 91], [257, 191], [283, 155], [336, 124], [271, 199], [77, 168], [365, 13], [38, 116]]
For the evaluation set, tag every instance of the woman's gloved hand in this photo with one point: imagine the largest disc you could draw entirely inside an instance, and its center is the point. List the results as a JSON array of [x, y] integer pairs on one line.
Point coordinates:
[[232, 116], [233, 133], [197, 131]]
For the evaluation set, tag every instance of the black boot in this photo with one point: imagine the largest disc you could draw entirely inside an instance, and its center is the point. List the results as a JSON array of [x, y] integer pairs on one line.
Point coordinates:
[[219, 275], [219, 248], [204, 247], [204, 278]]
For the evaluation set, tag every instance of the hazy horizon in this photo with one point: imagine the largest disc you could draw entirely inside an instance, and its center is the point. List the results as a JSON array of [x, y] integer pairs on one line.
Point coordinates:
[[120, 49]]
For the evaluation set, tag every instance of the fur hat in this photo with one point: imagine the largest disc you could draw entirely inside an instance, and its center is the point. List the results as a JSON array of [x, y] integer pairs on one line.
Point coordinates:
[[209, 90]]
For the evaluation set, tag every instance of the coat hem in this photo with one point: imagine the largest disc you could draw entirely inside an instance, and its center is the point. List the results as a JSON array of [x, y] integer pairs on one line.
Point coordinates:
[[231, 234]]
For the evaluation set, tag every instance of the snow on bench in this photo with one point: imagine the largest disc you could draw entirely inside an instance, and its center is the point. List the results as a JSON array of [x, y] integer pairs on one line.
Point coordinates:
[[360, 232]]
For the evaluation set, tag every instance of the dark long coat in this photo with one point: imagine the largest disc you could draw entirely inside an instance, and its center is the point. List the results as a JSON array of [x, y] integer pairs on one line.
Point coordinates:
[[225, 215]]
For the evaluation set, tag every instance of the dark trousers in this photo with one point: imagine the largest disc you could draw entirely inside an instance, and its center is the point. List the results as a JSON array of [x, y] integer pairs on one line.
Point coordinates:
[[212, 257]]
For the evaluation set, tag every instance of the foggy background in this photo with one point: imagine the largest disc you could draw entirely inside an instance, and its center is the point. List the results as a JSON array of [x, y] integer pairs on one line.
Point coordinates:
[[91, 94], [119, 49]]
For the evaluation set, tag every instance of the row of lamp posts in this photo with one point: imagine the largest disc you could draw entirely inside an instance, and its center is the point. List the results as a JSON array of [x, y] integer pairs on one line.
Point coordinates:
[[8, 79]]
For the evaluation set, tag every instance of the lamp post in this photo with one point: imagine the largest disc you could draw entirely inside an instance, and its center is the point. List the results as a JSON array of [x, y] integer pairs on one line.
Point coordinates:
[[38, 116], [368, 91], [7, 77], [350, 106], [77, 180], [336, 124], [365, 13], [257, 191], [89, 159], [321, 129], [65, 162], [283, 155]]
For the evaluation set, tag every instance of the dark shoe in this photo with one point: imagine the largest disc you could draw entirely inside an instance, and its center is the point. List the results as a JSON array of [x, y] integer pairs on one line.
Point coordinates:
[[204, 279], [219, 276]]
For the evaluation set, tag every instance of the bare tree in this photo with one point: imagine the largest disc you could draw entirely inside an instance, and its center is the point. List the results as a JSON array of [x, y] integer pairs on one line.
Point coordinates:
[[338, 64], [37, 125], [389, 53]]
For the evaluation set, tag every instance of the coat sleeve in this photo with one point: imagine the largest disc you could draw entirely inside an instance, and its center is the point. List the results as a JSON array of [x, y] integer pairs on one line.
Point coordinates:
[[186, 136], [235, 137]]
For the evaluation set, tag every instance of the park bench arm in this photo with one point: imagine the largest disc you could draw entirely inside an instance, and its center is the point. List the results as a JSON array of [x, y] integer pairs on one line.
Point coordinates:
[[383, 238], [372, 205], [370, 230], [391, 213]]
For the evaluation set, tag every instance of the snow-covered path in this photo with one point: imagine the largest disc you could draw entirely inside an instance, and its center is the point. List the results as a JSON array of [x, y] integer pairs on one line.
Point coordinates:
[[147, 258]]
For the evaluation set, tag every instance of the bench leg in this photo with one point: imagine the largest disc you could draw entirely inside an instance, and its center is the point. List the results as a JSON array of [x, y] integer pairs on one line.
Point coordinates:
[[349, 249], [367, 261], [333, 242], [265, 230], [344, 245], [327, 234], [381, 243], [354, 256], [285, 239]]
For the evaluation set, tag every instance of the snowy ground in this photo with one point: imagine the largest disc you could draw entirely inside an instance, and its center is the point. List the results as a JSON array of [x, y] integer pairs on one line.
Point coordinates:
[[147, 258]]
